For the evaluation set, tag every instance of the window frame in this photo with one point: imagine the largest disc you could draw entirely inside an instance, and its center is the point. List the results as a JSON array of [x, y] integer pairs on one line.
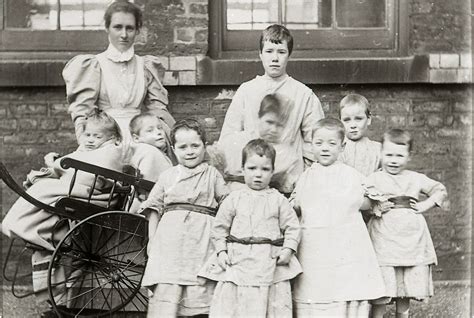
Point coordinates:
[[221, 47], [25, 40]]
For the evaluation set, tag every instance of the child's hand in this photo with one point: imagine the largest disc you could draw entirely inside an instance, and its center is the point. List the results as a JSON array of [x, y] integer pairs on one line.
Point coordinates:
[[422, 206], [223, 259], [49, 159], [284, 256], [381, 207]]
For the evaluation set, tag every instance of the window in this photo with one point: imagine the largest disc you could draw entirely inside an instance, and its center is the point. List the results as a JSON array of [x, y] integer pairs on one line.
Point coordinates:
[[321, 27], [52, 25]]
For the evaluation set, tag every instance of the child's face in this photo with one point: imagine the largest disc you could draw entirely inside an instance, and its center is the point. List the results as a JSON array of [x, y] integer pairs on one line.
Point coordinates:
[[394, 157], [94, 136], [258, 171], [274, 58], [327, 146], [189, 148], [270, 127], [151, 133], [355, 121]]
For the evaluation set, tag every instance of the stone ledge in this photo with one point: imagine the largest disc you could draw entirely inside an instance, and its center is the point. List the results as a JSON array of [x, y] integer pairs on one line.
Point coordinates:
[[201, 70]]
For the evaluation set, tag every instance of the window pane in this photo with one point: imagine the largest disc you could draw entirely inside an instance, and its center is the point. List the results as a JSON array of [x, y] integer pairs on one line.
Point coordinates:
[[251, 14], [360, 13], [308, 14], [31, 14], [43, 14]]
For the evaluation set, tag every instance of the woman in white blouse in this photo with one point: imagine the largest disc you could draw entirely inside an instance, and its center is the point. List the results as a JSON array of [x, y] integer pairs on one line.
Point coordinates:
[[117, 80]]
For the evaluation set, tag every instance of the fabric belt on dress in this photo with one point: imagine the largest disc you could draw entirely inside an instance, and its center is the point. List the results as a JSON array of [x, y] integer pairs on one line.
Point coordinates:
[[190, 207], [254, 240], [402, 202]]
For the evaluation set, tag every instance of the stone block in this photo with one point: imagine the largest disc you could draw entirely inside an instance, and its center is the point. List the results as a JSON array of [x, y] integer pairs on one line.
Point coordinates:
[[434, 60], [198, 8], [27, 123], [185, 35], [28, 109], [435, 120], [201, 36], [466, 60], [416, 120], [430, 106], [170, 78], [187, 78], [396, 121], [165, 61], [52, 123], [58, 108], [465, 106], [8, 124], [182, 63], [449, 132], [464, 75], [443, 76], [449, 60]]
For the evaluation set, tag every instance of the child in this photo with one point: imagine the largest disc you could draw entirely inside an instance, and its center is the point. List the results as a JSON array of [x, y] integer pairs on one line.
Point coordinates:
[[359, 152], [400, 236], [276, 44], [98, 146], [183, 202], [256, 233], [272, 118], [340, 268], [150, 147]]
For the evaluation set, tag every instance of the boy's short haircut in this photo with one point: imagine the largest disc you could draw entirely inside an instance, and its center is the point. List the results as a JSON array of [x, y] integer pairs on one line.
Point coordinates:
[[331, 124], [398, 136], [137, 122], [261, 148], [355, 99], [277, 33], [275, 104], [189, 124], [105, 121]]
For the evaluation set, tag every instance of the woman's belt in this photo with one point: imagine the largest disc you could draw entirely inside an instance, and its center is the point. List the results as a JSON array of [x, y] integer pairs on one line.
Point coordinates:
[[190, 207], [402, 202], [254, 240]]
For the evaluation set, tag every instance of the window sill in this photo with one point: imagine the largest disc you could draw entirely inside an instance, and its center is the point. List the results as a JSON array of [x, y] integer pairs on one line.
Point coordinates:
[[41, 69], [321, 71]]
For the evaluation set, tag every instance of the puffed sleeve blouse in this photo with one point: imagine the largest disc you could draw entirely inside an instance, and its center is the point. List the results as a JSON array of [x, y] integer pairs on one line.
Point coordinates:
[[120, 88]]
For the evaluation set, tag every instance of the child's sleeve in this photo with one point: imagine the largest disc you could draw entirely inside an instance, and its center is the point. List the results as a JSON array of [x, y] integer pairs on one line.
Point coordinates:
[[222, 224], [220, 188], [289, 225], [294, 197], [313, 113], [155, 199], [234, 117], [435, 190]]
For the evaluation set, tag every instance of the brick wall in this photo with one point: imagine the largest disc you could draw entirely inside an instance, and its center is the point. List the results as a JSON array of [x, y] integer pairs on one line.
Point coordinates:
[[34, 122]]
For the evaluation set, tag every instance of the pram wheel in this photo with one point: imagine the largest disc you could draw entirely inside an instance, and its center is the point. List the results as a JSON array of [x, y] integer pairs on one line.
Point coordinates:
[[97, 268]]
